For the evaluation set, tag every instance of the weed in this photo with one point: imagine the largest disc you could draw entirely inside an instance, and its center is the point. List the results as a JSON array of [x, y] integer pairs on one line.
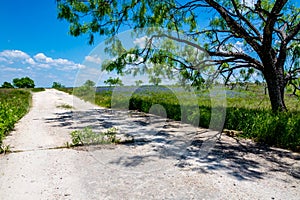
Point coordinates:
[[5, 149], [65, 106], [88, 137]]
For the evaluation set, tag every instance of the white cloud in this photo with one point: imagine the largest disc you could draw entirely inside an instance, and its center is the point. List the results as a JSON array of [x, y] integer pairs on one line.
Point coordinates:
[[43, 65], [239, 46], [12, 54], [72, 67], [18, 63], [141, 42], [10, 69], [236, 47], [249, 3], [30, 61], [93, 59], [40, 57], [44, 61]]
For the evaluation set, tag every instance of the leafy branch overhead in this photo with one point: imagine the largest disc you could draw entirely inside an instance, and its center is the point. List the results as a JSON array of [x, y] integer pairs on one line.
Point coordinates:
[[261, 36]]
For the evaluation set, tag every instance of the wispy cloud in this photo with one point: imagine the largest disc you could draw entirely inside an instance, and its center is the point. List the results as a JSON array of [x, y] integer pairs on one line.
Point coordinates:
[[40, 60], [10, 69], [16, 63], [12, 56], [141, 42], [93, 59], [44, 61], [249, 3]]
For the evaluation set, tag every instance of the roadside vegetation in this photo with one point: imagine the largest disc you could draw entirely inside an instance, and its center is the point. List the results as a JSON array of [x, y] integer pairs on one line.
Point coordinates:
[[238, 41], [88, 137], [24, 82], [14, 104], [248, 110], [65, 106], [38, 89]]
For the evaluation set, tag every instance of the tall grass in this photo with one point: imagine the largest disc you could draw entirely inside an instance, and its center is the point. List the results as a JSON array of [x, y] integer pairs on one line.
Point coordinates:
[[14, 104], [247, 111]]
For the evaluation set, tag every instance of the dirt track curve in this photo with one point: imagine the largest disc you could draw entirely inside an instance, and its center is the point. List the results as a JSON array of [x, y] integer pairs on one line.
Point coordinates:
[[163, 163]]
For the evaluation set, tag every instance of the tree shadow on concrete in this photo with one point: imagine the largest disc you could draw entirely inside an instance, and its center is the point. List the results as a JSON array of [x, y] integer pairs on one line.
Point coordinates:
[[167, 139]]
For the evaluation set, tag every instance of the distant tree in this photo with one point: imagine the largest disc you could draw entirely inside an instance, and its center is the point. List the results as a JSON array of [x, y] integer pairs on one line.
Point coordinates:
[[57, 85], [24, 82], [154, 80], [89, 83], [113, 81], [86, 91], [138, 83], [7, 85]]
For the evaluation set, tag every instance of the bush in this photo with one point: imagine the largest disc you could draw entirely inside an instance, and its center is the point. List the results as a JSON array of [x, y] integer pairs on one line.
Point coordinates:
[[57, 85], [7, 85], [88, 137], [24, 82], [14, 104]]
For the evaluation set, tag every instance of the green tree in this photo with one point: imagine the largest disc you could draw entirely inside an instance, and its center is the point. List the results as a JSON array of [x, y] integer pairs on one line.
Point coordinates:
[[262, 36], [24, 82], [138, 83], [57, 85], [89, 84], [86, 91], [113, 81], [295, 85], [7, 85]]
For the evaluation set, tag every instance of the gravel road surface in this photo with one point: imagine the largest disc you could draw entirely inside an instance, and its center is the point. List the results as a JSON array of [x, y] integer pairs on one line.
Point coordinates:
[[166, 161]]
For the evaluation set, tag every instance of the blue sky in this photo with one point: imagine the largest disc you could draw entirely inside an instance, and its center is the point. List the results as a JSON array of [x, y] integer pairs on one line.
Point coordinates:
[[34, 43]]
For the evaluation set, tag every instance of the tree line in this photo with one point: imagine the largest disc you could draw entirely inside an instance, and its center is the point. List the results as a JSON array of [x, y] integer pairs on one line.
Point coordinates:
[[24, 82]]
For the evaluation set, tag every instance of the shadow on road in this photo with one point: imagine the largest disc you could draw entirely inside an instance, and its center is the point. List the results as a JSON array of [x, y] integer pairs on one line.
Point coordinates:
[[167, 139]]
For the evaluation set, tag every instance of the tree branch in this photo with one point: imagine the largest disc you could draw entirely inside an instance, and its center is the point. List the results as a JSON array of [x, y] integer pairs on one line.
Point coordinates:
[[237, 29]]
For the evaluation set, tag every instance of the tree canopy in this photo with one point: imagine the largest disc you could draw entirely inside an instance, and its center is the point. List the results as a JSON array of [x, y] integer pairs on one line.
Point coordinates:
[[7, 85], [240, 36], [24, 82], [113, 81], [57, 85]]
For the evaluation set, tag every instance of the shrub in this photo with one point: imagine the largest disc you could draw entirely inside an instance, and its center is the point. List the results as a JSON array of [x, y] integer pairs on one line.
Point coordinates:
[[88, 137], [14, 104], [24, 82]]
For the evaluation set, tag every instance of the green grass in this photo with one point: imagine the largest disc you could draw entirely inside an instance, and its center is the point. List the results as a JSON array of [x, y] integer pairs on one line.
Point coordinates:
[[250, 112], [38, 89], [88, 137], [14, 104]]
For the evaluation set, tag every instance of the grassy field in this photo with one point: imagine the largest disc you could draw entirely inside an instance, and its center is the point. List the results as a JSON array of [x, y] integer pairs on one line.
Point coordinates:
[[14, 104], [248, 111]]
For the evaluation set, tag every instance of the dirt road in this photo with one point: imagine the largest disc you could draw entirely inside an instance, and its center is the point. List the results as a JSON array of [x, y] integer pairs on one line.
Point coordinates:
[[164, 162]]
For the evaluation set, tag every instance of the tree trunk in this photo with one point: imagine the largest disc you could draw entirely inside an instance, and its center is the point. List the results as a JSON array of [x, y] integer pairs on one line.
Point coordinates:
[[275, 83]]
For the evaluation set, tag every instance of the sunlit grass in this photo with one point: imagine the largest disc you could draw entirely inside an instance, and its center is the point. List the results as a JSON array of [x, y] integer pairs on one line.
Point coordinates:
[[248, 111], [14, 104]]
